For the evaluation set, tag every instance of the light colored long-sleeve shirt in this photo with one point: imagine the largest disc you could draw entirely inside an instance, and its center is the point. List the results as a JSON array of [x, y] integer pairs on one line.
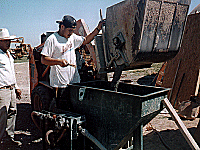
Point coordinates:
[[7, 72]]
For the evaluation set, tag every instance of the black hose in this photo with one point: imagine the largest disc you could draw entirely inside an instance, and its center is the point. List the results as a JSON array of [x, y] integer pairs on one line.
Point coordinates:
[[160, 137], [32, 116]]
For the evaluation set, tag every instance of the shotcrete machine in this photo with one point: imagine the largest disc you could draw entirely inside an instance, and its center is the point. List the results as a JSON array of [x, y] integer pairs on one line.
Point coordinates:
[[103, 114]]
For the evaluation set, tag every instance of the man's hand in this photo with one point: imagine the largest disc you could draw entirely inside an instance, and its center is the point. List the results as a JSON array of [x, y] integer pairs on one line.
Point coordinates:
[[18, 93], [63, 63], [91, 36], [52, 61], [101, 23]]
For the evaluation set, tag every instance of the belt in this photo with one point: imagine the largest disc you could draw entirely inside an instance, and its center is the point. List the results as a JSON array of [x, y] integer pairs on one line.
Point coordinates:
[[11, 87]]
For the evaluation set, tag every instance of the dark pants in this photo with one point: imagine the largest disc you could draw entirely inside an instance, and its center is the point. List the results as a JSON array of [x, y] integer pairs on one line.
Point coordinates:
[[3, 118], [62, 99]]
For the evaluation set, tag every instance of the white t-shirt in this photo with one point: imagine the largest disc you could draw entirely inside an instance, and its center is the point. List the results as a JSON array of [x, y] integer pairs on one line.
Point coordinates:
[[59, 47]]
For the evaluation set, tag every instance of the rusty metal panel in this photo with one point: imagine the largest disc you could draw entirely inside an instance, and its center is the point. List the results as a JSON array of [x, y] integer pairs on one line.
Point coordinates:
[[121, 18], [101, 65], [33, 71], [164, 26], [178, 26], [186, 62], [150, 24], [184, 2]]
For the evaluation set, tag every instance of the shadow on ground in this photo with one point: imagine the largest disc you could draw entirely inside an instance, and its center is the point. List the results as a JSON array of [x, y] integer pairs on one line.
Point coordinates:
[[26, 132], [147, 80], [173, 138]]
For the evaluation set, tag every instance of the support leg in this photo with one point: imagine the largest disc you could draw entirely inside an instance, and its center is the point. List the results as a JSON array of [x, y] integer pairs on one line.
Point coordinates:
[[138, 138]]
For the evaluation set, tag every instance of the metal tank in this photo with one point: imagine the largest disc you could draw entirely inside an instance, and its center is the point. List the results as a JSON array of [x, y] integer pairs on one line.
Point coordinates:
[[141, 32]]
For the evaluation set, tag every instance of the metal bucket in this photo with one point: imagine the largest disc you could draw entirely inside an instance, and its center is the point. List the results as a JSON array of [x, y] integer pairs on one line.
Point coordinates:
[[150, 30]]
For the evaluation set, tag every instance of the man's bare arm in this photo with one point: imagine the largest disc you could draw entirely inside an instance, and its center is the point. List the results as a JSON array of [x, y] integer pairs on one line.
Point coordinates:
[[52, 61], [91, 36]]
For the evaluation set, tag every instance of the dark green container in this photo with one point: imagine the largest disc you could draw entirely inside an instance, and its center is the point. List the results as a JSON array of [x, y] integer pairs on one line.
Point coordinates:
[[110, 115]]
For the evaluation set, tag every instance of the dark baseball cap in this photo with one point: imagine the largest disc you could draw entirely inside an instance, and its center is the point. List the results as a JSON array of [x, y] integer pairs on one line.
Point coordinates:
[[68, 21]]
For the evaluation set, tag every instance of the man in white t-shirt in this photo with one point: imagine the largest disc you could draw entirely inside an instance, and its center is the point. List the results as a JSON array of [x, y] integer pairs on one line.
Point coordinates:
[[59, 53]]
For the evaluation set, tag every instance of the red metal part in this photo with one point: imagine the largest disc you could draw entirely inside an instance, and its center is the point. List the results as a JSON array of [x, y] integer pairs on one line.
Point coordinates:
[[33, 71], [83, 30]]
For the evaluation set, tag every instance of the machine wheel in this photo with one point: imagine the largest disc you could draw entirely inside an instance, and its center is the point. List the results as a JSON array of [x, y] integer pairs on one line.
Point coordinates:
[[41, 97]]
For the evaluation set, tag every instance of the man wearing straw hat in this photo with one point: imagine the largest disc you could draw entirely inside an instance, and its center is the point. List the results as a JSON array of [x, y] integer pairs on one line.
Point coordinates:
[[8, 88]]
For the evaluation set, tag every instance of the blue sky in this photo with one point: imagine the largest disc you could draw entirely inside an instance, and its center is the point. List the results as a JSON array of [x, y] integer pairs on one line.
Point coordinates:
[[31, 18]]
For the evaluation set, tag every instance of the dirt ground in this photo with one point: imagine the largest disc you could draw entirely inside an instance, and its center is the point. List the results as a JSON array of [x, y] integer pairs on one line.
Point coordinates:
[[31, 138]]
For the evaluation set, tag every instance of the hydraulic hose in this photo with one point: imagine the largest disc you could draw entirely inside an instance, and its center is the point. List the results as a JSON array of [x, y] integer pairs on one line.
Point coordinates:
[[47, 136], [160, 137], [32, 116], [51, 131], [48, 132], [64, 130]]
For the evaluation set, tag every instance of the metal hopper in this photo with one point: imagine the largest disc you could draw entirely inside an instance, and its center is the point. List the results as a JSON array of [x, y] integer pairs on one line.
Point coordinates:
[[111, 115]]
